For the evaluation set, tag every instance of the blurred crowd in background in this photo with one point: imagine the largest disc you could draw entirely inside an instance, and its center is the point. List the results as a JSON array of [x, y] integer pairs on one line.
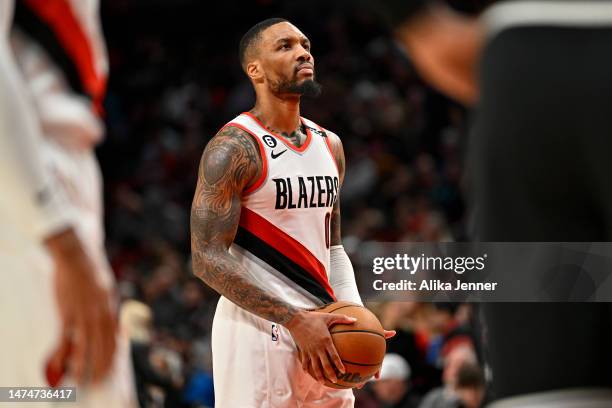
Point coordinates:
[[175, 80]]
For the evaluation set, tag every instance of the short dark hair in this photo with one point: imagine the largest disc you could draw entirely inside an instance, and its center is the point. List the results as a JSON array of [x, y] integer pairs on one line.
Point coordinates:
[[254, 34]]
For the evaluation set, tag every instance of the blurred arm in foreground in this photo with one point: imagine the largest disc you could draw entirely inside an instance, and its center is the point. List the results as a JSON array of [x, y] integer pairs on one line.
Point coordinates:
[[443, 45]]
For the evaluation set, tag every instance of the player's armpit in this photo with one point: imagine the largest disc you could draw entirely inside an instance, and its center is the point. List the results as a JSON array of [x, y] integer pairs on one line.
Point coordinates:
[[338, 153], [335, 233], [230, 163]]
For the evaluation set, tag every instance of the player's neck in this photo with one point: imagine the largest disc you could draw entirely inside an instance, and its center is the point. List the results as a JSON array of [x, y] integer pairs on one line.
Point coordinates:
[[277, 113]]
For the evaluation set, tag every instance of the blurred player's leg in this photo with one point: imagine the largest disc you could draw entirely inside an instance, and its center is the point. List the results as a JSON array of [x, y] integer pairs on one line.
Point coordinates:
[[27, 312], [71, 129], [538, 161], [79, 174], [26, 281]]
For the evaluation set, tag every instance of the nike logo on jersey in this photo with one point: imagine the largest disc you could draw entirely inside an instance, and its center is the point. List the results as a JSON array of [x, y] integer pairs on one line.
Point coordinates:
[[275, 155], [306, 192]]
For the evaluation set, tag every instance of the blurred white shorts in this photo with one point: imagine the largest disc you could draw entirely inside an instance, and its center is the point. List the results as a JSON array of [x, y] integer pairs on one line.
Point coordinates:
[[28, 309]]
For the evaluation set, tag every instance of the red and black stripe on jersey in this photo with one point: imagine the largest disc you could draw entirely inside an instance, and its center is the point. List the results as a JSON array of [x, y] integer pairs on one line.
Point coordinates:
[[282, 252], [53, 25]]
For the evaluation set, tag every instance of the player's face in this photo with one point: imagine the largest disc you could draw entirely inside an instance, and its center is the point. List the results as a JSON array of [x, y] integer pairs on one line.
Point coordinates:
[[287, 63]]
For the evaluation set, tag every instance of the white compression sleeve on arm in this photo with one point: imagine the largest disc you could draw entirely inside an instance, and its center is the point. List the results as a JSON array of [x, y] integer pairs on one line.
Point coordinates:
[[342, 276]]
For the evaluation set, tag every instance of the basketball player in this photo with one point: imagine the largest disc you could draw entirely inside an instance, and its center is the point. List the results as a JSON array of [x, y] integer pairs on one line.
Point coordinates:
[[265, 227], [543, 111], [54, 74]]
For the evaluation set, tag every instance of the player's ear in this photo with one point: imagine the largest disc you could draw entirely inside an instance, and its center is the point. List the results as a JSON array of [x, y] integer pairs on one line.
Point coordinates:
[[254, 71]]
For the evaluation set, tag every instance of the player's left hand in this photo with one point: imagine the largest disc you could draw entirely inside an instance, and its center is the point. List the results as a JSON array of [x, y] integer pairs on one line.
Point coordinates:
[[388, 335]]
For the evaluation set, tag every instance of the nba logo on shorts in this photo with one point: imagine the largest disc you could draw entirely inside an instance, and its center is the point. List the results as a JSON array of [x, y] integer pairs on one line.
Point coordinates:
[[275, 332]]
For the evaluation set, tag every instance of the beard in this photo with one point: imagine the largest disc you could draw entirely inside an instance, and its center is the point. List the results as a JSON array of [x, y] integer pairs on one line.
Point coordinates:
[[309, 87]]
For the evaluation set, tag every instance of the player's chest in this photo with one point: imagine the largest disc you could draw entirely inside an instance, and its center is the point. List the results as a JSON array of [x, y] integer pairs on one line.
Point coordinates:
[[295, 181]]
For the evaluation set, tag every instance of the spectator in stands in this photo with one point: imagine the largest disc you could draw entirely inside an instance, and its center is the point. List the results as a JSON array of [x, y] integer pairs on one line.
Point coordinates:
[[470, 385], [393, 386], [447, 395], [392, 389], [136, 319]]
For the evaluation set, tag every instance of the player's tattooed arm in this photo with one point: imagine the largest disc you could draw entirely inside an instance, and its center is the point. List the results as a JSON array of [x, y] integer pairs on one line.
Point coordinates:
[[338, 153], [231, 162]]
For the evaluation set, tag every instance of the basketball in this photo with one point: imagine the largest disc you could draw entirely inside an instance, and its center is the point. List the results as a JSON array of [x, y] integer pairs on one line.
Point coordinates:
[[361, 345]]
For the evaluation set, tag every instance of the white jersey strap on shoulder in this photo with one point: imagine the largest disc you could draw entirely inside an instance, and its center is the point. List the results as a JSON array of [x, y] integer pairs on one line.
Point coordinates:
[[323, 134], [246, 122], [517, 13]]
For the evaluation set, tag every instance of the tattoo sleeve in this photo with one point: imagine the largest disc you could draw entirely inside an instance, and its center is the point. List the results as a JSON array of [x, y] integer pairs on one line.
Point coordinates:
[[338, 153], [230, 163]]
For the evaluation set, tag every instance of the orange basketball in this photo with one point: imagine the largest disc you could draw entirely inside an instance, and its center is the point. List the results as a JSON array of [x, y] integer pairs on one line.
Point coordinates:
[[360, 345]]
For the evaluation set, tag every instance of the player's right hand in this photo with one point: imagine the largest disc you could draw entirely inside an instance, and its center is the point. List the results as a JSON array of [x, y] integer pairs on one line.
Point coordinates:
[[318, 355], [88, 337]]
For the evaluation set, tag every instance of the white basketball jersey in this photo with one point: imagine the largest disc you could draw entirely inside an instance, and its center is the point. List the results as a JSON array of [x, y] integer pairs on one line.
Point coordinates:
[[283, 237]]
